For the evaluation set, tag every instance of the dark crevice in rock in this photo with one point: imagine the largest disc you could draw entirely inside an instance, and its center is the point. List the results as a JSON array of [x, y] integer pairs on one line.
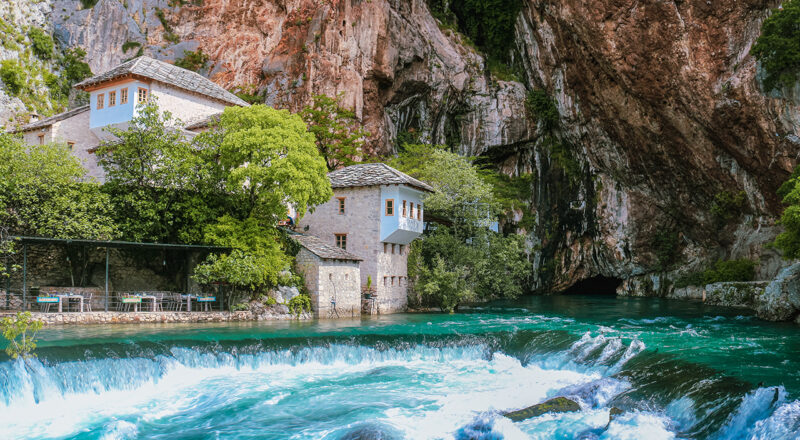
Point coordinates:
[[597, 285]]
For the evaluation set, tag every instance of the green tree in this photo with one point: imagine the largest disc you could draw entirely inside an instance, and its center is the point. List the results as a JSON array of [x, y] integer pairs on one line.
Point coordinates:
[[778, 47], [465, 261], [41, 43], [267, 160], [789, 240], [337, 130], [44, 192], [20, 332], [162, 188], [488, 23], [461, 193]]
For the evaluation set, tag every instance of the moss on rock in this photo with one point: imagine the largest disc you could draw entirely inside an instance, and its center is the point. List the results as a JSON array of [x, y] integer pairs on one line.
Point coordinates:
[[555, 405]]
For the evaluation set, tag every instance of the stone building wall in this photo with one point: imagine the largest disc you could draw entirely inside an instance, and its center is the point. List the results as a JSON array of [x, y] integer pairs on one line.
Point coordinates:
[[362, 222], [183, 105], [331, 280]]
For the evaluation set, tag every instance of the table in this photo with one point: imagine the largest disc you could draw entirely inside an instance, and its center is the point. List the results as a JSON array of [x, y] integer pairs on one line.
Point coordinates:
[[68, 296], [205, 300], [150, 297]]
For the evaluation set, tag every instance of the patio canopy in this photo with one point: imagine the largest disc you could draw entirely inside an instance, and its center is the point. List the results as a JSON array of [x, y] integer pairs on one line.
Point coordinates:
[[106, 244]]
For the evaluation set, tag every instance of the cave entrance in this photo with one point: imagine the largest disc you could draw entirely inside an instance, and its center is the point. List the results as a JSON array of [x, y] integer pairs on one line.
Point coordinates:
[[597, 285]]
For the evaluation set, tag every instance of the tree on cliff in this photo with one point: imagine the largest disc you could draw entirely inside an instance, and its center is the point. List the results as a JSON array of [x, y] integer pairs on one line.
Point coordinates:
[[337, 130], [789, 240], [778, 47]]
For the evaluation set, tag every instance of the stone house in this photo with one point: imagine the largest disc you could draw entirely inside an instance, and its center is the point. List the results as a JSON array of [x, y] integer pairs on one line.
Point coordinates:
[[375, 213], [114, 97], [332, 277]]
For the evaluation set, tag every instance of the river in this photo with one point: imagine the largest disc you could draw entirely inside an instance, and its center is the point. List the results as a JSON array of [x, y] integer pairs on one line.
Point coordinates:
[[676, 369]]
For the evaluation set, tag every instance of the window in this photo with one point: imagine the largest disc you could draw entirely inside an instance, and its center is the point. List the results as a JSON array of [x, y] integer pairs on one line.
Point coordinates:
[[123, 96], [341, 204], [341, 241], [402, 248], [411, 211], [392, 281], [112, 99], [384, 281], [404, 208], [142, 97], [71, 145], [386, 248], [101, 99], [41, 139], [419, 212], [389, 207], [392, 248]]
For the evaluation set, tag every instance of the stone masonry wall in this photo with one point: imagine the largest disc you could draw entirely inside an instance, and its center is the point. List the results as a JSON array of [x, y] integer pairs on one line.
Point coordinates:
[[362, 222], [159, 317], [329, 280]]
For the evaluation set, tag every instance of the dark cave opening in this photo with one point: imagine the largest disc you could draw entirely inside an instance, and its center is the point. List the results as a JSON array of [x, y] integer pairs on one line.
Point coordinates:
[[597, 285]]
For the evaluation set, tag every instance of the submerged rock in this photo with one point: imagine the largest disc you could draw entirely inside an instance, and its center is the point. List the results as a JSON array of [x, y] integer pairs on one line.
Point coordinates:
[[370, 432], [555, 405], [781, 298]]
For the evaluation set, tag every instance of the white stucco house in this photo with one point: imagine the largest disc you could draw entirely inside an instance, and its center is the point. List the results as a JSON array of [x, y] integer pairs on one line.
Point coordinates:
[[113, 100], [375, 213]]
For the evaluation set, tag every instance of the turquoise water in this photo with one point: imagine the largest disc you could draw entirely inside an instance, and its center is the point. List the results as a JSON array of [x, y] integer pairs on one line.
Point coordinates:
[[676, 369]]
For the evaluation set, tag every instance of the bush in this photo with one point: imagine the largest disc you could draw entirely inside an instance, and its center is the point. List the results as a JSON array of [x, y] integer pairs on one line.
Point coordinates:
[[723, 271], [41, 43], [128, 45], [778, 47], [299, 304], [727, 206], [489, 23], [13, 76], [20, 332], [193, 61], [543, 108]]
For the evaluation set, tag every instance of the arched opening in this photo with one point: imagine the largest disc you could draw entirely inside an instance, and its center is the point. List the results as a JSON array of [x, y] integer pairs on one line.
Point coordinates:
[[597, 285]]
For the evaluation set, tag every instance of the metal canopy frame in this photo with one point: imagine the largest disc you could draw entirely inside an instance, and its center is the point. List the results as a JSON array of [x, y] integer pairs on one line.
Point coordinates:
[[102, 244]]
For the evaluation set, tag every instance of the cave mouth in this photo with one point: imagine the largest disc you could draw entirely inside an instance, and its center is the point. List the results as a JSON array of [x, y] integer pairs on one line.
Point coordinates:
[[597, 285]]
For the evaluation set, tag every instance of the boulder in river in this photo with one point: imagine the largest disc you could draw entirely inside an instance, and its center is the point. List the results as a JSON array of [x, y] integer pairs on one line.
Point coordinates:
[[555, 405], [781, 298]]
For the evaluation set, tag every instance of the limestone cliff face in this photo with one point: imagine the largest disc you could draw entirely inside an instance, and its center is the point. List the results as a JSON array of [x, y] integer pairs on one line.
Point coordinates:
[[660, 108]]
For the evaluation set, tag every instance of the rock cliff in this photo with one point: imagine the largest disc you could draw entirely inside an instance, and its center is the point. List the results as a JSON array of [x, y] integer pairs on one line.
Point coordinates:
[[660, 109]]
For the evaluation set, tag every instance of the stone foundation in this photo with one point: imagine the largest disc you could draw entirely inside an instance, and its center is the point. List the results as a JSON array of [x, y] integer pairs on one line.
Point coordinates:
[[158, 317]]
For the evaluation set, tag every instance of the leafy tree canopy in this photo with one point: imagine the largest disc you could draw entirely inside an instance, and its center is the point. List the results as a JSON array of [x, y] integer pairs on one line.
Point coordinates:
[[44, 192], [488, 23], [337, 130], [789, 240], [778, 47]]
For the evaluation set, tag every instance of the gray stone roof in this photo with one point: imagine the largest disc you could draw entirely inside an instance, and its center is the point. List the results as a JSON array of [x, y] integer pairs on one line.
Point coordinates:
[[370, 174], [46, 122], [324, 250], [168, 74], [203, 122]]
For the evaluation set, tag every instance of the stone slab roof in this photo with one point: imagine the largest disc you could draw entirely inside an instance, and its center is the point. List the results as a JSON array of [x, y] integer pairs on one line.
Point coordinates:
[[46, 122], [168, 74], [371, 174], [324, 250], [203, 122]]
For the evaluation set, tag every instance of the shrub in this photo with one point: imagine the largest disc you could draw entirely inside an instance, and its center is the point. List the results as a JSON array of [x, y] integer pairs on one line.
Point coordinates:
[[723, 271], [20, 332], [128, 45], [540, 105], [727, 206], [778, 47], [193, 61], [299, 304], [41, 43], [489, 23], [666, 243], [13, 76], [87, 4]]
